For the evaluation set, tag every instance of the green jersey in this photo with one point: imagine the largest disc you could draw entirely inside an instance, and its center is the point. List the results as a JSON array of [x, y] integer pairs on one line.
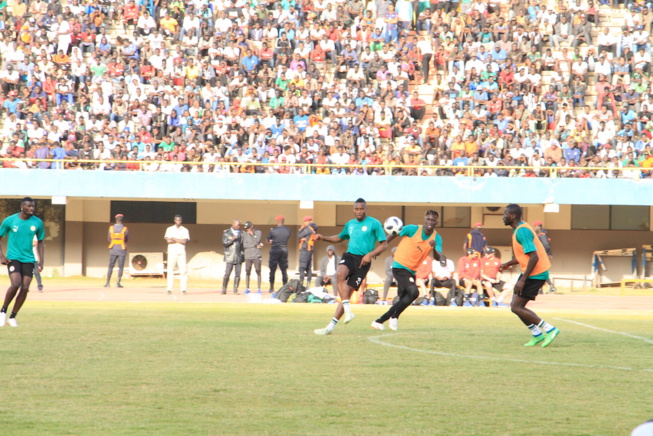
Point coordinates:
[[362, 235], [21, 236]]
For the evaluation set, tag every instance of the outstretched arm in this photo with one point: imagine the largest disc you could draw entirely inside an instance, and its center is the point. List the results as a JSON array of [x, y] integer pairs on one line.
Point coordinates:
[[336, 239]]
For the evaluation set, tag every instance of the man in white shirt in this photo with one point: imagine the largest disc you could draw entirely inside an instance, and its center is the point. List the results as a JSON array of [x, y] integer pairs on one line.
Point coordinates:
[[443, 270], [177, 237], [190, 23]]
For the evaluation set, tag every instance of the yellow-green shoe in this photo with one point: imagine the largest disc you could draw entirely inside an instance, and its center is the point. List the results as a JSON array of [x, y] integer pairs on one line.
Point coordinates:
[[550, 336], [535, 340]]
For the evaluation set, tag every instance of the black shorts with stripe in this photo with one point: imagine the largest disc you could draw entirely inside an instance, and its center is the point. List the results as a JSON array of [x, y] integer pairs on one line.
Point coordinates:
[[356, 272]]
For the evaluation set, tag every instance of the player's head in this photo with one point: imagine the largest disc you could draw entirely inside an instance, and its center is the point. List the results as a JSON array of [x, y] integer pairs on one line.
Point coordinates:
[[488, 251], [512, 214], [471, 252], [360, 209], [431, 220], [248, 225], [27, 206], [119, 217], [178, 220], [537, 225]]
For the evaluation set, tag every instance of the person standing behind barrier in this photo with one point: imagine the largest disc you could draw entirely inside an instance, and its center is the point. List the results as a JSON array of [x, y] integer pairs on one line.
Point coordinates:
[[328, 269], [118, 237], [252, 246], [543, 236], [37, 273], [306, 236], [177, 237], [475, 240], [232, 240], [278, 238]]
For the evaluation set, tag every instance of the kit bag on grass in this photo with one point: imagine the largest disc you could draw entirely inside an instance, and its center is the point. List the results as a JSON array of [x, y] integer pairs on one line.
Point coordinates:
[[293, 286], [370, 296]]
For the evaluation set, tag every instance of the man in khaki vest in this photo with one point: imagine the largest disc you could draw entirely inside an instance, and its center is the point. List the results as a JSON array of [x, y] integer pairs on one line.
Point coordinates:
[[118, 237]]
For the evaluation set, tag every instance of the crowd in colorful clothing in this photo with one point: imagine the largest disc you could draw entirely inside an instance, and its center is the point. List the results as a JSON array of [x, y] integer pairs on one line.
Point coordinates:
[[440, 87]]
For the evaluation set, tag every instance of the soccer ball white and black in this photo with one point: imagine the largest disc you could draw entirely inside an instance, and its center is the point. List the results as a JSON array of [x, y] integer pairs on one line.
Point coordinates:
[[393, 225]]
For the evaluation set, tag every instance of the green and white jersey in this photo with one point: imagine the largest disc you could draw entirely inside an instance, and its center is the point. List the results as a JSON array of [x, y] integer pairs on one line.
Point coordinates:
[[20, 236], [362, 235]]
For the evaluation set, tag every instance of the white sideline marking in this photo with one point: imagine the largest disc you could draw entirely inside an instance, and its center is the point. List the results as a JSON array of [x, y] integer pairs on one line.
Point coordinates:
[[648, 341], [102, 296], [378, 340]]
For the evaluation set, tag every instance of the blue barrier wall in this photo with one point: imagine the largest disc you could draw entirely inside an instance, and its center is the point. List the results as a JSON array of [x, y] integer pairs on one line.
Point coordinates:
[[283, 187]]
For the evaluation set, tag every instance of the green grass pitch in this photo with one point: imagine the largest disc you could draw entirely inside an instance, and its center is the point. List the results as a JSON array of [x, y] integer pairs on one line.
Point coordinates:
[[220, 369]]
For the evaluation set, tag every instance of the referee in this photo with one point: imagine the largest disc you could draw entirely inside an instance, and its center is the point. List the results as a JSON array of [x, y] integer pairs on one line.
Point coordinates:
[[278, 238]]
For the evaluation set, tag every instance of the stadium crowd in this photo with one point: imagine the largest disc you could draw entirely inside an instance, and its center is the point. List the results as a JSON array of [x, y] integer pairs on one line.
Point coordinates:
[[259, 86]]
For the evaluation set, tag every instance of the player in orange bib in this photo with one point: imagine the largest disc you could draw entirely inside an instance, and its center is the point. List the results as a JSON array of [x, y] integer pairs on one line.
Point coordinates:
[[532, 258], [416, 245]]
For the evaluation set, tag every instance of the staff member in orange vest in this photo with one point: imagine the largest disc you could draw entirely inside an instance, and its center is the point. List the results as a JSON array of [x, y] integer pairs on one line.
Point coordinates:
[[531, 256], [306, 237], [417, 243], [118, 237]]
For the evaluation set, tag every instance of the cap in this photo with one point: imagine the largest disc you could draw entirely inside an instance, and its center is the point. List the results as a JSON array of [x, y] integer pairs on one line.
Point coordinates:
[[248, 225], [119, 216], [478, 225], [279, 218], [488, 249], [537, 223], [308, 218], [471, 251]]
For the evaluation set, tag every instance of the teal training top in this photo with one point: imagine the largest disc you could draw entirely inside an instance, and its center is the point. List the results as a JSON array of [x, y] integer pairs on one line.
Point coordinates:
[[409, 231], [362, 235], [525, 238], [21, 236]]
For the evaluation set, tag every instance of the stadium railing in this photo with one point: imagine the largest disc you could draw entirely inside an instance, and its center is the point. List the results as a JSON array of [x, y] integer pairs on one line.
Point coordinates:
[[309, 168]]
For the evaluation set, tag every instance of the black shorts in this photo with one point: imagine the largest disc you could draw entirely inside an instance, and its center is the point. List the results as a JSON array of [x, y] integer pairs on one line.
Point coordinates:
[[356, 272], [531, 288], [25, 269], [405, 279]]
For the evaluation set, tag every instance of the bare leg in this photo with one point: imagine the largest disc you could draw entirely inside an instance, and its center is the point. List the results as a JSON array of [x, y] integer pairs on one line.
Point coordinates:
[[518, 307], [344, 290], [15, 284], [22, 295]]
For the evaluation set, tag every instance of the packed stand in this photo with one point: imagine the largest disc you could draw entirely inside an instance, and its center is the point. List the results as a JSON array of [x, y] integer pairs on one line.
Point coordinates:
[[198, 85]]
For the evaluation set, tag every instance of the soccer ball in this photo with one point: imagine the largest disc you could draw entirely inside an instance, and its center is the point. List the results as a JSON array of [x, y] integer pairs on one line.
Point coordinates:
[[393, 225]]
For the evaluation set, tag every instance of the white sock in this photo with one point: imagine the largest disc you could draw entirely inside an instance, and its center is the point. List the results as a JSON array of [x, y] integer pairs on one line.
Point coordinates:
[[546, 326], [332, 324], [535, 330], [345, 306]]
